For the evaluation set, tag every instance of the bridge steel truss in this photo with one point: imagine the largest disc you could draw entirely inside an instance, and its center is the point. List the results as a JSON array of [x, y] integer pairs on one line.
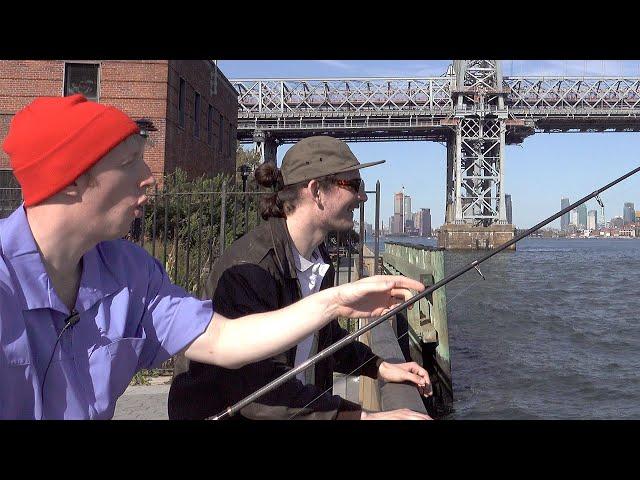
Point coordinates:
[[473, 108]]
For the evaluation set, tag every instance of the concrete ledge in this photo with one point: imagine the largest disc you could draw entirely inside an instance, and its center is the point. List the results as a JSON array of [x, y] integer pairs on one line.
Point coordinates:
[[393, 396], [466, 237]]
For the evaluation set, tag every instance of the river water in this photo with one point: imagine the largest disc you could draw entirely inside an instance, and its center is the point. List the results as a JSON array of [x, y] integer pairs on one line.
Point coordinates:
[[552, 333]]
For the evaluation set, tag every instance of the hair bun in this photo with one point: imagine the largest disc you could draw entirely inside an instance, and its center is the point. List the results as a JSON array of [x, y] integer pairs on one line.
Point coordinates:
[[267, 175]]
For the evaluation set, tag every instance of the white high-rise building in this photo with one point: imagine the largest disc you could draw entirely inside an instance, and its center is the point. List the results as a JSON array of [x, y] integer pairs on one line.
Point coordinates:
[[407, 207], [573, 217], [592, 220]]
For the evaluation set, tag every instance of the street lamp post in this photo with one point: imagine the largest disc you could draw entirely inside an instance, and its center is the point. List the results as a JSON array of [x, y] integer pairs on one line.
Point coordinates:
[[245, 170]]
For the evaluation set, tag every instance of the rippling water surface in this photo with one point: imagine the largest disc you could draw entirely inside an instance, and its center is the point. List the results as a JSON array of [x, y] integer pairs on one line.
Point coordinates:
[[552, 333]]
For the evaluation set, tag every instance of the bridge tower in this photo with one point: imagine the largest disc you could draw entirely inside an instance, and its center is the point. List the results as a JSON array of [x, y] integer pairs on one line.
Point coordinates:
[[476, 214], [265, 144]]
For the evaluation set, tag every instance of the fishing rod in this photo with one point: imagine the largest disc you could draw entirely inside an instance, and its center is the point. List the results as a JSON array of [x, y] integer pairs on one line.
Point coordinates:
[[352, 337]]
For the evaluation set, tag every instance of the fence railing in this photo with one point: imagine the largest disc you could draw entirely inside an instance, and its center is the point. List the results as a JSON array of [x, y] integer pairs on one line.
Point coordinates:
[[10, 199], [189, 230]]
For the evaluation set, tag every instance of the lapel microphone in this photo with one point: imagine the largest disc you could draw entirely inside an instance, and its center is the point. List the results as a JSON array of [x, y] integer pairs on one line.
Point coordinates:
[[72, 319]]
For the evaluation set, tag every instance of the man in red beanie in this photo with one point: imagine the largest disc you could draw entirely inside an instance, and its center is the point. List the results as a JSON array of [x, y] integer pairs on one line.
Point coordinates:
[[82, 310]]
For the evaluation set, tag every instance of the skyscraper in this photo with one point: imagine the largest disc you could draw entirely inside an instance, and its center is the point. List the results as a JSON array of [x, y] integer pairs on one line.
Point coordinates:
[[408, 224], [407, 208], [564, 219], [507, 202], [582, 216], [592, 220], [397, 224], [398, 212], [629, 213], [425, 222], [397, 203], [573, 217], [416, 221]]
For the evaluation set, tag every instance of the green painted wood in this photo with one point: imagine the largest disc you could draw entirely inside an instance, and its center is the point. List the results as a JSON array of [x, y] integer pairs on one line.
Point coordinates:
[[429, 320]]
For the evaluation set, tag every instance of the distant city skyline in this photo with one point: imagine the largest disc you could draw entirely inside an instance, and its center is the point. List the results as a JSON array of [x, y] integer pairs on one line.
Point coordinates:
[[628, 214], [406, 221]]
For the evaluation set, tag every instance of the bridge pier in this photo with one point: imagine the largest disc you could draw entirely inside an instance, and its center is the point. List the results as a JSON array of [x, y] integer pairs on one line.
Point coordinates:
[[467, 237], [267, 145], [475, 212]]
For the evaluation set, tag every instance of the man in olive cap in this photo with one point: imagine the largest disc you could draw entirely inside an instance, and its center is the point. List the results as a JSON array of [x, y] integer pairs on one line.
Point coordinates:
[[279, 262]]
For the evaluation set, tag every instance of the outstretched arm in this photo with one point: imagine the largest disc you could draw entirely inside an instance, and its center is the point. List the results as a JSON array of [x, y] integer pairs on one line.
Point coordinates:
[[234, 343]]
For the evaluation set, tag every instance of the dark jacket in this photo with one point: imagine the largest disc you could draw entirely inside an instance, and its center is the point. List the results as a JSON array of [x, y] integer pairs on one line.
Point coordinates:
[[257, 274]]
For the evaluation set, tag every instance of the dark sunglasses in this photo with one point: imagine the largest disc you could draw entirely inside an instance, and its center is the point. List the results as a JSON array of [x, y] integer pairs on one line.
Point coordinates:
[[355, 184]]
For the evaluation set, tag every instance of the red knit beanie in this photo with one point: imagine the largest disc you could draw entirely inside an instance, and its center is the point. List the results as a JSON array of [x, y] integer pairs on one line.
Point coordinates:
[[54, 140]]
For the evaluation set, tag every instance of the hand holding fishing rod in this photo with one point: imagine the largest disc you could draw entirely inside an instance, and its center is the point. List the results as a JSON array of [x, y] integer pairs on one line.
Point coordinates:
[[397, 308]]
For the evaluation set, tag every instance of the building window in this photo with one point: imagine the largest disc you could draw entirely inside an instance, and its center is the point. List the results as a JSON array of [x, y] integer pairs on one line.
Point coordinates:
[[181, 101], [231, 140], [210, 125], [81, 78], [196, 116], [221, 134]]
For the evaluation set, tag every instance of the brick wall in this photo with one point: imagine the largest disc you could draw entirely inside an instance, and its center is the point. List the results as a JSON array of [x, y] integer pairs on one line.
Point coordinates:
[[184, 150], [20, 83], [142, 89], [139, 88]]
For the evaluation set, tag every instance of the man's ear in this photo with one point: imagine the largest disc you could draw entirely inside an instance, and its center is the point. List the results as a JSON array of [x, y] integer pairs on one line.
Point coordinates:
[[314, 190], [75, 188]]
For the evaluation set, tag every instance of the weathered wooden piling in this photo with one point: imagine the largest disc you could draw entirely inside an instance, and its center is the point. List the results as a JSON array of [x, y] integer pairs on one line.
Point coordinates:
[[422, 330]]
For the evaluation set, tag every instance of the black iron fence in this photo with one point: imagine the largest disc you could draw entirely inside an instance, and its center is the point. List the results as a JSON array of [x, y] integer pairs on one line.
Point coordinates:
[[189, 230], [10, 198]]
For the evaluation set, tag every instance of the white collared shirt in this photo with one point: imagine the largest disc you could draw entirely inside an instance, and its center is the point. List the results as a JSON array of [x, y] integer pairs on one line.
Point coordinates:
[[310, 274]]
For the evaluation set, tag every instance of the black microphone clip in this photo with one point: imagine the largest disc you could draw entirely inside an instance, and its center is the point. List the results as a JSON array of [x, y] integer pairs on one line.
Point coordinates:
[[72, 319]]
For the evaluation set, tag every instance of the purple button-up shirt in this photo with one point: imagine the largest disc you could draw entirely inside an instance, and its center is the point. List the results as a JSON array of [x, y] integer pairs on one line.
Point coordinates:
[[131, 317]]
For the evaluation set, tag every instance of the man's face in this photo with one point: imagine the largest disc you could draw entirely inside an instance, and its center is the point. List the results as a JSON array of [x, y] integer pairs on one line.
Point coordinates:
[[341, 199], [116, 188]]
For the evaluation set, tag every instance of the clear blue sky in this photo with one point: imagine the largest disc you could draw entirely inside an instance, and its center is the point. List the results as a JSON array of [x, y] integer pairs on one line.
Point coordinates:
[[538, 173]]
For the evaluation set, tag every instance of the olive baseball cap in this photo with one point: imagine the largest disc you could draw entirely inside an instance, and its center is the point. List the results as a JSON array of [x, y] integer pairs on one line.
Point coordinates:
[[316, 157]]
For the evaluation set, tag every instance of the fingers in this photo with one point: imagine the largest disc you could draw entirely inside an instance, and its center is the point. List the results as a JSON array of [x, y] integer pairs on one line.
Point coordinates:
[[404, 282], [402, 294], [423, 384], [401, 414], [406, 414], [413, 367], [417, 379], [421, 379], [398, 281], [419, 416], [375, 296]]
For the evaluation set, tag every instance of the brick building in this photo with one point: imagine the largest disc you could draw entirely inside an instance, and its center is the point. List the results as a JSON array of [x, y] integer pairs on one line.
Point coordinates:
[[191, 103]]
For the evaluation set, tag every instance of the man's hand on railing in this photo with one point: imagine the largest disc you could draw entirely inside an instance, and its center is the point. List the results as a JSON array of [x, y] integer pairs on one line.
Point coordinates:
[[402, 414], [374, 296], [406, 372]]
